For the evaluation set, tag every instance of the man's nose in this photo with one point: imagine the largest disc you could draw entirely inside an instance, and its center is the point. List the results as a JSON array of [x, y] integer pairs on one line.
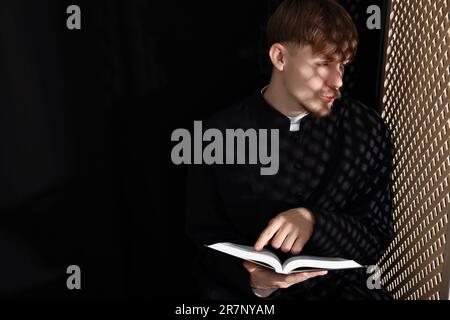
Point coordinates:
[[335, 79]]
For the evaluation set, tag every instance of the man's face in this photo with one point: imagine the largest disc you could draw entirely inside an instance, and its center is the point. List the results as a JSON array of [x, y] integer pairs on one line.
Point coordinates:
[[312, 80]]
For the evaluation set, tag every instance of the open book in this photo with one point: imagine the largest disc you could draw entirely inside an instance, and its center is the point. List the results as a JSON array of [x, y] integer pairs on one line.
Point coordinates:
[[268, 259]]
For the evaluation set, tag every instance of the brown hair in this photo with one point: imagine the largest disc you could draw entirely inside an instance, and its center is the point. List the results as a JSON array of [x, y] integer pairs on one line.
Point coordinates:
[[323, 24]]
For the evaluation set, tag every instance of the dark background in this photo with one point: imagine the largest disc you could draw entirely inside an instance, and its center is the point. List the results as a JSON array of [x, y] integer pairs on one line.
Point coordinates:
[[86, 118]]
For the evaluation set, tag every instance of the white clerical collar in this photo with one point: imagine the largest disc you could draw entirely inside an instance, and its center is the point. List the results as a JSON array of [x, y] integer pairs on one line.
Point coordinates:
[[295, 121]]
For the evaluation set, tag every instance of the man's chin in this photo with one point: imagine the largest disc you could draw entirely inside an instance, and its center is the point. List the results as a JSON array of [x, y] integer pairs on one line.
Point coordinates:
[[322, 111]]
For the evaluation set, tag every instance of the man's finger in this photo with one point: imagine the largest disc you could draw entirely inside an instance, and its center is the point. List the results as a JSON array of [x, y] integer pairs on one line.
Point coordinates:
[[279, 237], [296, 277], [266, 235], [288, 242], [303, 276], [316, 273], [298, 245]]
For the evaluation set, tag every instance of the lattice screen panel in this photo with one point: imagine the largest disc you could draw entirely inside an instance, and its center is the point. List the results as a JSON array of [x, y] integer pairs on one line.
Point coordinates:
[[416, 108]]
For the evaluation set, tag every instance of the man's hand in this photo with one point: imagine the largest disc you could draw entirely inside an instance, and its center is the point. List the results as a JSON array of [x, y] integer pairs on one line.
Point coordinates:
[[289, 230], [262, 278]]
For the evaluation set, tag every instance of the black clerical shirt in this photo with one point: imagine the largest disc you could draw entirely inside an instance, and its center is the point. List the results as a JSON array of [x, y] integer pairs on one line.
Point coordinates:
[[339, 167]]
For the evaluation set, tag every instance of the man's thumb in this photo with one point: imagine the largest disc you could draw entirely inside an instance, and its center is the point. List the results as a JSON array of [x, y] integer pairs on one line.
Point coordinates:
[[250, 266]]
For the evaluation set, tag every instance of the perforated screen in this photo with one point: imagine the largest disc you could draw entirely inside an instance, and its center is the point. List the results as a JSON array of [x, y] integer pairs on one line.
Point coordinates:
[[416, 108]]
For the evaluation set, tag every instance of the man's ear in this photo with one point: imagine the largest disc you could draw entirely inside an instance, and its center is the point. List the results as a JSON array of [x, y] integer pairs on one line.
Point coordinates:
[[277, 54]]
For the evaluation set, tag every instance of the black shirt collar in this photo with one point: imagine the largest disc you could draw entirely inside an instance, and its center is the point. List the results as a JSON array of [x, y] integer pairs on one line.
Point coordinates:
[[267, 116]]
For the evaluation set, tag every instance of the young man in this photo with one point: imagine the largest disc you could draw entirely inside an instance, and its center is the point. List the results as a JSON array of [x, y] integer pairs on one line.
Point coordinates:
[[331, 195]]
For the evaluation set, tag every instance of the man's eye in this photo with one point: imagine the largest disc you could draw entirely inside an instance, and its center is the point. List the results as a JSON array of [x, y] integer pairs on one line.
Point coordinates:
[[323, 64]]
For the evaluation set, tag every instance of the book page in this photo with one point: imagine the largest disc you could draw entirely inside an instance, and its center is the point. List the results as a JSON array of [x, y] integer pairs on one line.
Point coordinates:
[[249, 254], [319, 263]]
